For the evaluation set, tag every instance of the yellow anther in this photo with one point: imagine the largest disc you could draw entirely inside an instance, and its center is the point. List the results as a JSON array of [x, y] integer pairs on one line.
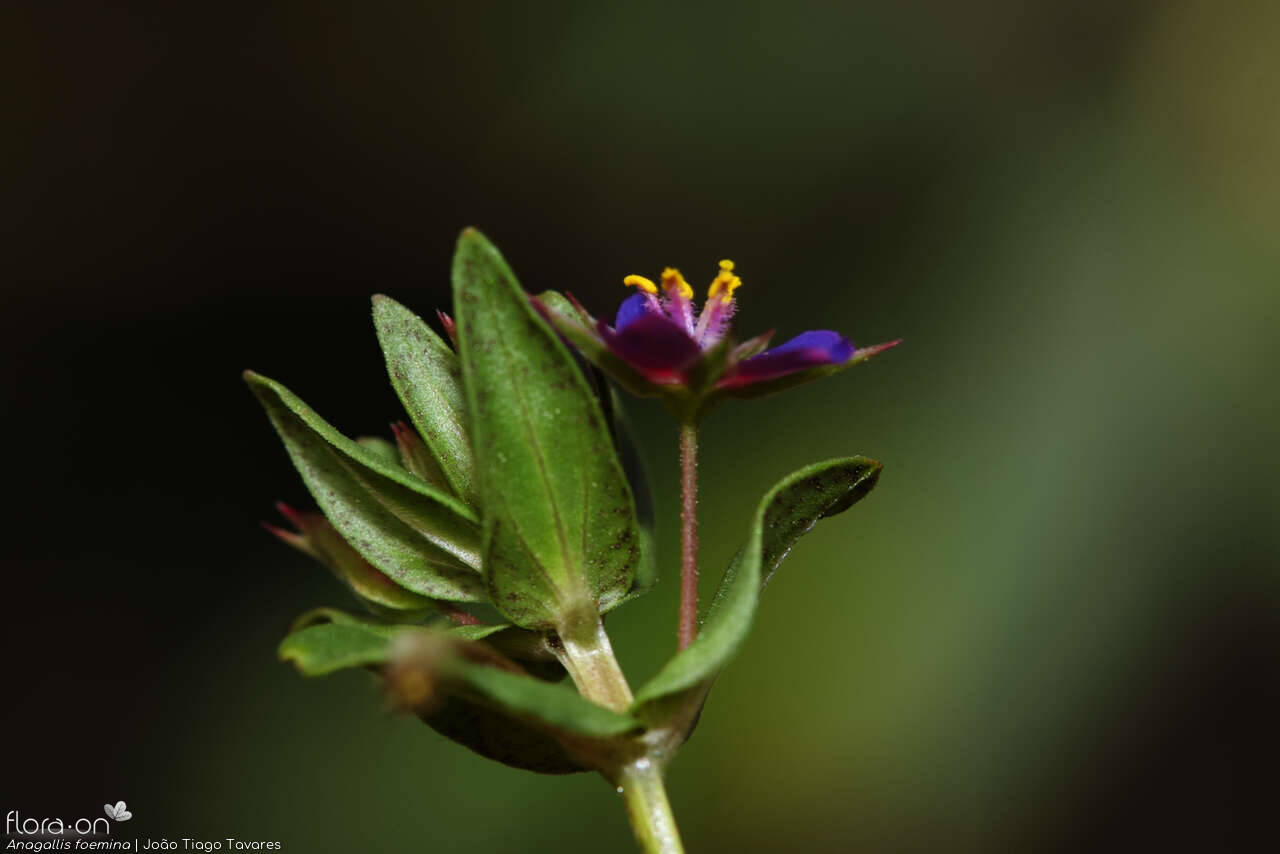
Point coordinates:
[[642, 283], [673, 281], [725, 283]]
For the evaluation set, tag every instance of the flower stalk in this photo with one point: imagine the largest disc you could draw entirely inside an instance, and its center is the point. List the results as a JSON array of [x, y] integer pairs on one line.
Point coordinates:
[[688, 628]]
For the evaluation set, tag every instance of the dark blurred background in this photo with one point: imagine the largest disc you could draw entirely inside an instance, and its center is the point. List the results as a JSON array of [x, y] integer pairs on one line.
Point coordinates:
[[1055, 624]]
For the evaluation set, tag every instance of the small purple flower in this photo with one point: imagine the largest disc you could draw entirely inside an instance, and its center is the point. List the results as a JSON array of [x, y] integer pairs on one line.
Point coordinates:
[[660, 345]]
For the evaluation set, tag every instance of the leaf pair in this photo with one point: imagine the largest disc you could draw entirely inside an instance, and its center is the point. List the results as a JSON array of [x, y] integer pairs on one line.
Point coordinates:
[[548, 728], [466, 691]]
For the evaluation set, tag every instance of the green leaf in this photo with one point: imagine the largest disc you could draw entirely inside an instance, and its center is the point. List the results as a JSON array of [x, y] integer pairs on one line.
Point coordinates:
[[422, 538], [560, 533], [558, 707], [785, 514], [522, 722], [322, 648], [386, 451], [322, 615], [500, 737], [318, 538], [427, 377], [646, 573], [506, 716], [560, 304], [475, 633]]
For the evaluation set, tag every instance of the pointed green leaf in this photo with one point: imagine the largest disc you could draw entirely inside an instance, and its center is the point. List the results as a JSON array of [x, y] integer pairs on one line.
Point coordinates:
[[561, 305], [319, 539], [477, 632], [506, 716], [560, 534], [323, 648], [785, 514], [334, 640], [558, 707], [519, 720], [646, 572], [495, 735], [428, 379], [424, 539]]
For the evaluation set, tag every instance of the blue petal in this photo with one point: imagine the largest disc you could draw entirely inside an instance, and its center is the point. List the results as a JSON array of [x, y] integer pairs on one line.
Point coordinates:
[[830, 346], [632, 308], [806, 350]]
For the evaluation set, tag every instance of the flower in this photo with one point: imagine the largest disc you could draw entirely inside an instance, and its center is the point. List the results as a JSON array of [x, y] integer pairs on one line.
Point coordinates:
[[660, 345]]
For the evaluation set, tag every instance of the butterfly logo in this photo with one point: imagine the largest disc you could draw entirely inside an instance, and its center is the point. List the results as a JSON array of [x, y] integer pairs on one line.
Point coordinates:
[[118, 812]]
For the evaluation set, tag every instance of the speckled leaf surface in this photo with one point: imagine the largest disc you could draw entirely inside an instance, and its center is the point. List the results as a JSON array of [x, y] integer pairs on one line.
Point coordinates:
[[420, 537], [559, 519], [428, 378]]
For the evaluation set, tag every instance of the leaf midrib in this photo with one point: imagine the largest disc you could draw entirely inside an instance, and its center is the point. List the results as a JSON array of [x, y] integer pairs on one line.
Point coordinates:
[[536, 447]]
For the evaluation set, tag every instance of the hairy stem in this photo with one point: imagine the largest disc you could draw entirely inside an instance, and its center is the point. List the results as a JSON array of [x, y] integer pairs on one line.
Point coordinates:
[[640, 784], [688, 629]]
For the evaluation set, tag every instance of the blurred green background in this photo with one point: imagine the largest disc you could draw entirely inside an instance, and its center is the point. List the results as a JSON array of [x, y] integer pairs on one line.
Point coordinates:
[[1054, 624]]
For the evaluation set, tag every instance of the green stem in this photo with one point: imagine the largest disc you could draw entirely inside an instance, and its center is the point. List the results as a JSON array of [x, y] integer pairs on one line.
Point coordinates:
[[588, 656], [640, 784], [585, 651], [688, 629]]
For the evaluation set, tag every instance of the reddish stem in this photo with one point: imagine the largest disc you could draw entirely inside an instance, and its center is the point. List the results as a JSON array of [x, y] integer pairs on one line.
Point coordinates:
[[688, 534]]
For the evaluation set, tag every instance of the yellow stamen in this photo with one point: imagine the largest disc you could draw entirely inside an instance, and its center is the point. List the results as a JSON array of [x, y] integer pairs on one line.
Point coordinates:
[[642, 283], [673, 281], [725, 283]]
